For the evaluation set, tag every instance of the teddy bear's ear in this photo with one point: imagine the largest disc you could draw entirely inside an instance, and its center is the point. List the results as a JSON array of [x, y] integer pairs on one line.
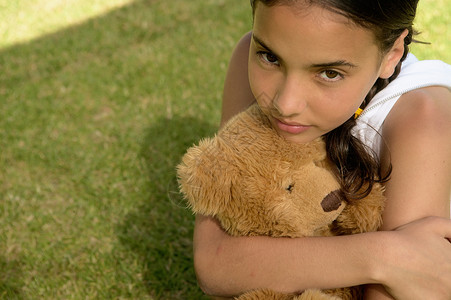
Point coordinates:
[[205, 177], [319, 150], [313, 151]]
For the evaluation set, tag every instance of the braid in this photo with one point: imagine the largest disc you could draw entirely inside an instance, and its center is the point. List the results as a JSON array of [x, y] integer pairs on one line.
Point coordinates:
[[357, 165], [381, 83]]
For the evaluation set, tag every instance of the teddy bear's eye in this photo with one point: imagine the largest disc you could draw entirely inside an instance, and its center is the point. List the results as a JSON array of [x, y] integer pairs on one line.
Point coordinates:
[[290, 188]]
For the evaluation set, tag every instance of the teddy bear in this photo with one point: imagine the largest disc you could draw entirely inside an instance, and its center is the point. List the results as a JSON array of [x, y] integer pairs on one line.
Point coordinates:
[[255, 182]]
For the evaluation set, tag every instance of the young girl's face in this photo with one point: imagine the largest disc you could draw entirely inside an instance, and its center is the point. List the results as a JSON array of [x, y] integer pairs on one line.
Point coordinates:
[[310, 69]]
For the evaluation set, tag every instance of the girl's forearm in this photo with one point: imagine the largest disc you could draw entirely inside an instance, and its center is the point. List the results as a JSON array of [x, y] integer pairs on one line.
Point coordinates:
[[228, 266]]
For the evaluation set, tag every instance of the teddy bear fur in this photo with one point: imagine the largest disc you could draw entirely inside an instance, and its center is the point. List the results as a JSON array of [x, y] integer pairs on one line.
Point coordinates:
[[255, 182]]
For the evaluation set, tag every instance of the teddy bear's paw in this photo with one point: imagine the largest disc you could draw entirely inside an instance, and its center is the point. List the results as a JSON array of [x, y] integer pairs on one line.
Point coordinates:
[[316, 295], [265, 294]]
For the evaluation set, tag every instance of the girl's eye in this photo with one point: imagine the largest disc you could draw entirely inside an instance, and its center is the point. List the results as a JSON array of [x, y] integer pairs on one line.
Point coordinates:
[[268, 57], [331, 75]]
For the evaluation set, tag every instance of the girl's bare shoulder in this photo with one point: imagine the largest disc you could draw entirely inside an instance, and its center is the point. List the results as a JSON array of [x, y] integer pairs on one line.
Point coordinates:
[[237, 94], [425, 111], [417, 135]]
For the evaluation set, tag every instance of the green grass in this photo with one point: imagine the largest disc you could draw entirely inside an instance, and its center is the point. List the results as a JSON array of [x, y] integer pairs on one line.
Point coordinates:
[[96, 110], [94, 117], [434, 22]]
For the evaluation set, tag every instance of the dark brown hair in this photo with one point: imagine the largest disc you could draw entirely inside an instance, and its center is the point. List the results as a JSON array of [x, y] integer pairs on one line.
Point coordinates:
[[358, 167]]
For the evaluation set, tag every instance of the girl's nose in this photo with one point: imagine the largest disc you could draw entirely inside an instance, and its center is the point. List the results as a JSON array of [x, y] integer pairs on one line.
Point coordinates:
[[291, 98]]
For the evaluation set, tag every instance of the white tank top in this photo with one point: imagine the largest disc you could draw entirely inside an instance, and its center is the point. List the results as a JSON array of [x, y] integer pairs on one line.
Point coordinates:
[[414, 74]]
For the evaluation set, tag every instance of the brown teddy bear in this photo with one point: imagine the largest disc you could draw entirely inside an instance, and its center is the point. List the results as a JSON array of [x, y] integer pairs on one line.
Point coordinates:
[[255, 182]]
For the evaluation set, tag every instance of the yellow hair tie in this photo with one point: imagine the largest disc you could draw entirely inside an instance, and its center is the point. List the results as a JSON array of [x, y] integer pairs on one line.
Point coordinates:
[[357, 113]]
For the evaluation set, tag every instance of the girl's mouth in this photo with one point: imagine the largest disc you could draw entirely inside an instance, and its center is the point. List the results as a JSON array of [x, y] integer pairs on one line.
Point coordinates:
[[290, 127]]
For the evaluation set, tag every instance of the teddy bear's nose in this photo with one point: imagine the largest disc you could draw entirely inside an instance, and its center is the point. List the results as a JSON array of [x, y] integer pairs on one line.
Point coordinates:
[[332, 201]]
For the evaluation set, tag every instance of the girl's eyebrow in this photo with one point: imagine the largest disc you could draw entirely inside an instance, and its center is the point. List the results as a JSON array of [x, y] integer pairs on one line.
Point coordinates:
[[262, 44], [333, 64]]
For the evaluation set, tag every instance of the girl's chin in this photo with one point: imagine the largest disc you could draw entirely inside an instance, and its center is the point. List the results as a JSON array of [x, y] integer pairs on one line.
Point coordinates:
[[297, 138]]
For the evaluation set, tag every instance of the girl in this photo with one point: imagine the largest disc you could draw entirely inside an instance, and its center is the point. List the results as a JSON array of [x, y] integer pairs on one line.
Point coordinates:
[[311, 64]]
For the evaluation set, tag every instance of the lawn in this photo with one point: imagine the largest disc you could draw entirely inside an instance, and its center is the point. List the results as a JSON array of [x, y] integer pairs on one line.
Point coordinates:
[[98, 102]]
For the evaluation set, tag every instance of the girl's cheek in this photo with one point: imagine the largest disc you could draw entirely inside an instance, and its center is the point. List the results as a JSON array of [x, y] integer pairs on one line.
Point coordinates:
[[262, 93], [262, 83], [255, 81]]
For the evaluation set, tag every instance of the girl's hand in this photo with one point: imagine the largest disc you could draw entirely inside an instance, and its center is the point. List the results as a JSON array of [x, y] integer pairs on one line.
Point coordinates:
[[418, 260]]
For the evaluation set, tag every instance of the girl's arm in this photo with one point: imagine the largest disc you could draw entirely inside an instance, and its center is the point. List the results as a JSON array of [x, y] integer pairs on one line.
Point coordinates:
[[228, 266], [414, 261], [417, 133], [237, 95]]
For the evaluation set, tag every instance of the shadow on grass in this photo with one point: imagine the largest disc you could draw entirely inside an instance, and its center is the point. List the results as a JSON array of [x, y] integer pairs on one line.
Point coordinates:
[[160, 229], [72, 105], [10, 279]]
